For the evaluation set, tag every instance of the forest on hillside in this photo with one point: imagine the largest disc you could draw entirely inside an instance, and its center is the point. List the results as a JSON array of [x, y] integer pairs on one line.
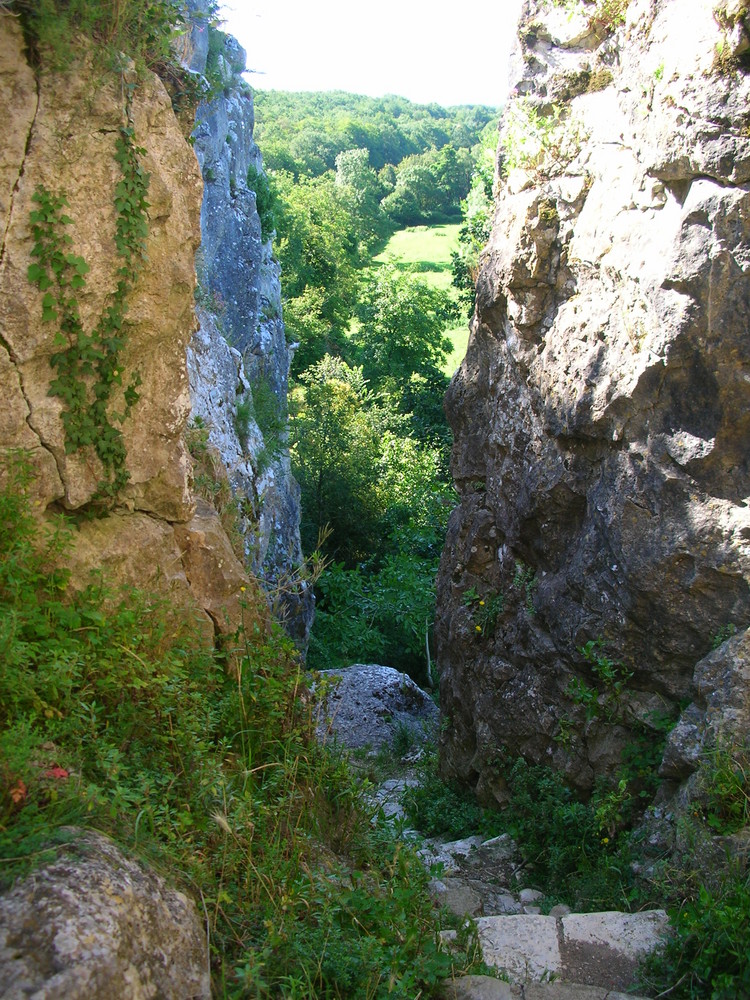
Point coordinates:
[[370, 444]]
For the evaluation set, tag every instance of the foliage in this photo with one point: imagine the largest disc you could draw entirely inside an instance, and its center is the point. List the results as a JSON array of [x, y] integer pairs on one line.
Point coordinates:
[[113, 716], [706, 955], [610, 14], [271, 418], [265, 199], [320, 247], [402, 323], [58, 32], [243, 413], [361, 189], [476, 211], [428, 187], [438, 809], [89, 366], [724, 787], [379, 616], [336, 439], [359, 471], [484, 610], [303, 133], [538, 142], [141, 28]]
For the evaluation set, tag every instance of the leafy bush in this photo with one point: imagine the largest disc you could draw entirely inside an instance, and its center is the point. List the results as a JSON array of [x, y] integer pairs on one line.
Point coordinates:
[[438, 809], [707, 954], [375, 617], [724, 787]]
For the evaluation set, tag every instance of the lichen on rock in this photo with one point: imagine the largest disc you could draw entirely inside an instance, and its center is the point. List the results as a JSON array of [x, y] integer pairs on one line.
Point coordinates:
[[94, 924]]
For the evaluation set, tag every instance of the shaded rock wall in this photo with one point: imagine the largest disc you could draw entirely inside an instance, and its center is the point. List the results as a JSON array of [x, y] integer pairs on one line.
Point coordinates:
[[602, 413], [239, 354]]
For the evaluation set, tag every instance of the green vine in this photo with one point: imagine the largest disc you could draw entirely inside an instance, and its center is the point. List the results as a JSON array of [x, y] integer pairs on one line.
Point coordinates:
[[87, 365]]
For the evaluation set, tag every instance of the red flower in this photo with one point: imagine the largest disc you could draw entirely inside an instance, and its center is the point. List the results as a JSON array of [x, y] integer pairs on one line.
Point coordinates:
[[56, 772]]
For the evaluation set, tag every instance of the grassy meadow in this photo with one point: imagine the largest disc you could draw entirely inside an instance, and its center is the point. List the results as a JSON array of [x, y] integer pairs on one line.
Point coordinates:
[[429, 248]]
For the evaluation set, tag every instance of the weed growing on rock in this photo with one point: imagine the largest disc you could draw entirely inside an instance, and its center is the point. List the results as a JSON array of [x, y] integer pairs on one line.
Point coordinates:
[[539, 143], [58, 32], [243, 413], [724, 788], [485, 610]]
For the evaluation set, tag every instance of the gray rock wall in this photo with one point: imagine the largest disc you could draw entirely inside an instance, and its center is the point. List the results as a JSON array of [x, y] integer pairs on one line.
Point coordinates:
[[239, 352], [602, 413]]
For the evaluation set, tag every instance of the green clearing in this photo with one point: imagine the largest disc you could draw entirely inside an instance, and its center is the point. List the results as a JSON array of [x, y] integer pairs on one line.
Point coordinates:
[[429, 248]]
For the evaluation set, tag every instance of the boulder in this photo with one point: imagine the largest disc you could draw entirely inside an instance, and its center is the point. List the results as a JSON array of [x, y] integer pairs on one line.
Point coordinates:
[[367, 704], [94, 924]]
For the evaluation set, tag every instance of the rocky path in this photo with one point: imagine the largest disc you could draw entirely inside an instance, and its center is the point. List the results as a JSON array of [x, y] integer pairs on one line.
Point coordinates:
[[555, 956], [590, 954]]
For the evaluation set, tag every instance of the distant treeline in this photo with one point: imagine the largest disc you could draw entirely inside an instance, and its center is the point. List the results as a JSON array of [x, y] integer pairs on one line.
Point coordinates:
[[420, 155]]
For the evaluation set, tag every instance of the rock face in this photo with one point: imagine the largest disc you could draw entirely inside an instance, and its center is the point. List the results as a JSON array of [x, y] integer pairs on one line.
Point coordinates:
[[602, 413], [95, 924], [240, 293], [59, 124]]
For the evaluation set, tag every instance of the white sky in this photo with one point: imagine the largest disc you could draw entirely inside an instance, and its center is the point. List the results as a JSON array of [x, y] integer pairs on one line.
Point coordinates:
[[426, 50]]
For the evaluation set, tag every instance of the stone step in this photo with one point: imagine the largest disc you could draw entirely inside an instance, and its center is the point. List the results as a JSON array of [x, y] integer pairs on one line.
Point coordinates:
[[486, 988], [594, 949]]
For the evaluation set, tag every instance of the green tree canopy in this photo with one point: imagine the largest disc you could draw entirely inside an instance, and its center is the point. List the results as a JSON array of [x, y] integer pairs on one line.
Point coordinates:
[[402, 328]]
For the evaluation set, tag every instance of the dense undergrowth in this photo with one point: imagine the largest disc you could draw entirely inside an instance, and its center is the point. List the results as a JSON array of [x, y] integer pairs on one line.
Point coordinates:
[[116, 717], [595, 855]]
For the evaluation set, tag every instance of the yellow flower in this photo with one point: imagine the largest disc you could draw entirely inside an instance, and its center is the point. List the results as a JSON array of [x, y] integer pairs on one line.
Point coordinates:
[[242, 590], [605, 840], [481, 604], [478, 628]]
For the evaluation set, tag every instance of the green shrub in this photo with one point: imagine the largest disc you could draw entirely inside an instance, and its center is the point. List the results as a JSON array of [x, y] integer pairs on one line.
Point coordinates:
[[437, 809], [724, 787], [112, 714], [265, 199], [707, 955]]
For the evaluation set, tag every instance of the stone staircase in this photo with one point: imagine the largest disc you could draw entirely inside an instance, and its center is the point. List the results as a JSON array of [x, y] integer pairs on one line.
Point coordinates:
[[559, 956]]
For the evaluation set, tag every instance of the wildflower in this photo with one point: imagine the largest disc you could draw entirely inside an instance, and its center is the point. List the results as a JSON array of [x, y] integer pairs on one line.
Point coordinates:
[[242, 590], [481, 604], [56, 772], [477, 628], [605, 840]]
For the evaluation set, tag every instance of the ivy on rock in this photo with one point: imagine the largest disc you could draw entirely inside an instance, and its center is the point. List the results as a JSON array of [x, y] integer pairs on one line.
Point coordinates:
[[88, 365]]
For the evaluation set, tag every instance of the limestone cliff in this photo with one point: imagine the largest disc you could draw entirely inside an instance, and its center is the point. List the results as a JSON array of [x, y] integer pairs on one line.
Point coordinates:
[[602, 413], [238, 359], [62, 134]]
